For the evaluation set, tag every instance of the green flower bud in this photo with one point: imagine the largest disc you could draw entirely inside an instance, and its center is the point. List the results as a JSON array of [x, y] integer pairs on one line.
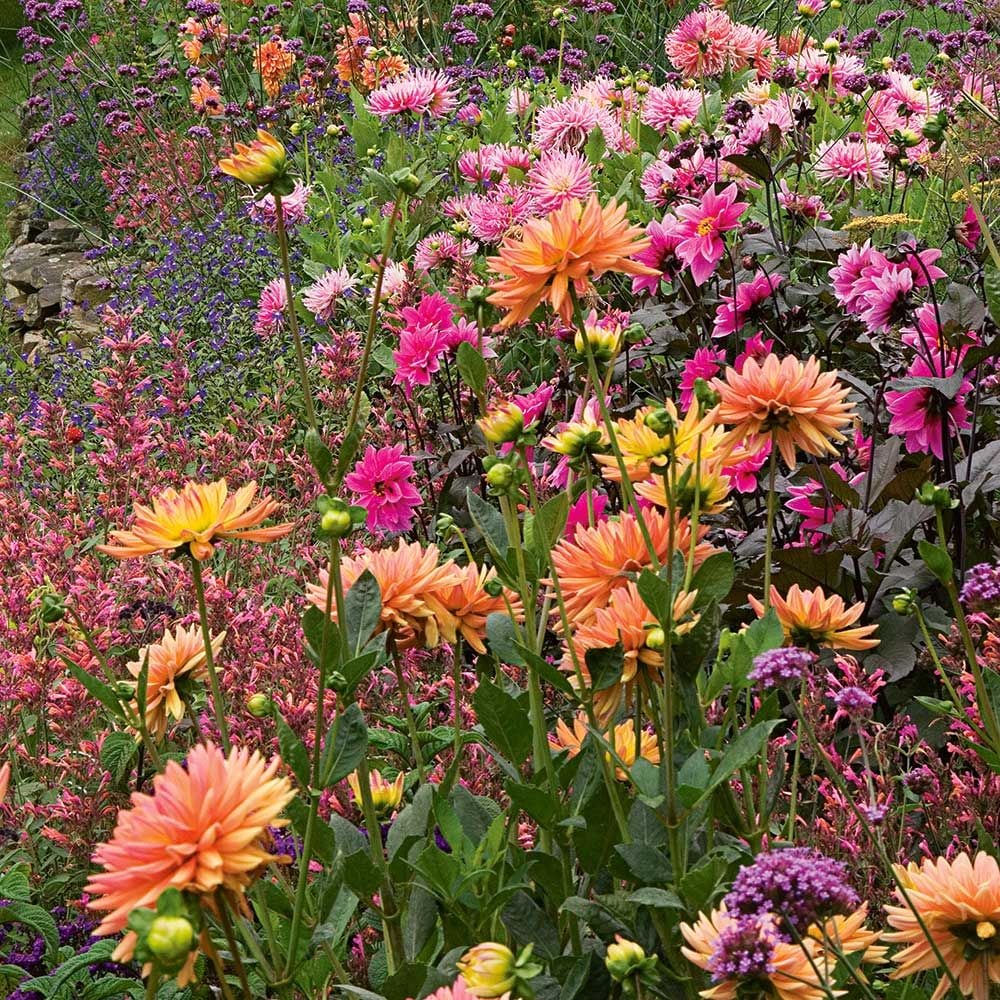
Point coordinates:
[[170, 940], [53, 609], [656, 638], [626, 959], [501, 476], [493, 586], [936, 496], [660, 421], [406, 180], [336, 523], [906, 602], [259, 705]]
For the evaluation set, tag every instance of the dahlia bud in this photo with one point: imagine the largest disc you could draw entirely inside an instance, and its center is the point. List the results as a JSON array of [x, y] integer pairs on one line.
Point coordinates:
[[706, 396], [660, 421], [625, 959], [656, 638], [503, 424], [53, 609], [501, 476], [936, 496], [488, 969], [831, 46], [406, 180], [295, 128], [477, 295], [906, 602], [493, 586], [259, 705], [170, 939], [261, 163], [386, 795], [336, 523]]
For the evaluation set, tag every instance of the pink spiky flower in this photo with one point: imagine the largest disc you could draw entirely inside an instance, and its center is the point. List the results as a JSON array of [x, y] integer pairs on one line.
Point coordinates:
[[321, 298], [558, 176]]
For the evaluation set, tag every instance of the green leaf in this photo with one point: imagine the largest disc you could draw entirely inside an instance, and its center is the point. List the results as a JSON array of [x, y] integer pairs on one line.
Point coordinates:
[[39, 920], [346, 745], [472, 367], [320, 456], [714, 578], [362, 610], [101, 691], [361, 874], [755, 166], [547, 527], [504, 720], [991, 283], [937, 560], [293, 750], [117, 753], [596, 145], [605, 666], [535, 802], [489, 521], [658, 899], [528, 923], [740, 752], [656, 595]]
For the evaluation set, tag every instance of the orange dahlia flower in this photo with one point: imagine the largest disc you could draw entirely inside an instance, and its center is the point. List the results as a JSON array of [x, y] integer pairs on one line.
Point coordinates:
[[792, 973], [564, 250], [599, 560], [622, 738], [415, 591], [471, 605], [847, 935], [958, 902], [795, 402], [194, 519], [810, 618], [626, 620], [204, 829], [274, 62], [176, 659]]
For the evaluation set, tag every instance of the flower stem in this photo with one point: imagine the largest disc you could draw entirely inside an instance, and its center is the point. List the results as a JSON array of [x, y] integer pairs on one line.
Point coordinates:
[[218, 702], [411, 721], [769, 533], [293, 321], [153, 983]]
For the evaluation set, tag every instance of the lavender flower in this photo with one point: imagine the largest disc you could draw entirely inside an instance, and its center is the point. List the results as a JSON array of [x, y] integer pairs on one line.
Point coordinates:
[[744, 950], [799, 885], [981, 590], [854, 703]]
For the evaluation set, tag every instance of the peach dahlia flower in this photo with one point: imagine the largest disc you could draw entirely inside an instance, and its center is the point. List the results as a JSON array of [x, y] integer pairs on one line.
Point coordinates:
[[811, 618], [795, 402], [564, 251], [958, 902], [203, 829], [194, 519]]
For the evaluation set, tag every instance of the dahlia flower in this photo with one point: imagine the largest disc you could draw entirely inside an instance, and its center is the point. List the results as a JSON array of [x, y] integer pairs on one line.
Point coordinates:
[[622, 737], [271, 309], [382, 480], [924, 416], [202, 830], [413, 587], [175, 660], [701, 44], [701, 227], [736, 309], [670, 107], [260, 162], [471, 604], [194, 520], [419, 92], [565, 250], [812, 619], [274, 62], [558, 176], [795, 403], [321, 297], [851, 160], [660, 256], [958, 902]]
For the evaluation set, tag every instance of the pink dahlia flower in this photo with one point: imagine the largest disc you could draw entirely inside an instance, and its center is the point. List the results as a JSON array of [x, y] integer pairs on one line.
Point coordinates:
[[851, 160], [271, 308], [425, 338], [701, 229], [558, 176], [293, 206], [670, 107], [321, 298], [705, 364], [701, 44], [383, 483], [922, 415], [660, 254], [737, 308], [420, 92]]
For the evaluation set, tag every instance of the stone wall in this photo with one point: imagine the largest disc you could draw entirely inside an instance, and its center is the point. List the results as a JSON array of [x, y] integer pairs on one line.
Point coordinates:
[[49, 285]]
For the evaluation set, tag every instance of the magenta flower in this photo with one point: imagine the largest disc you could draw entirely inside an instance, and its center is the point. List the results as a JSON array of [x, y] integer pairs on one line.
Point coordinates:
[[421, 92], [737, 308], [426, 336], [382, 481], [705, 364], [271, 308], [922, 415], [659, 254], [701, 229]]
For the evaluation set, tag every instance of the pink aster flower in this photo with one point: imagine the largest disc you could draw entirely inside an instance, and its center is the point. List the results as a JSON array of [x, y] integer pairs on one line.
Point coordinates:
[[705, 364], [670, 107], [701, 44], [293, 206], [557, 176], [383, 482], [737, 308], [701, 228], [661, 254], [271, 308], [321, 298], [853, 160], [922, 415]]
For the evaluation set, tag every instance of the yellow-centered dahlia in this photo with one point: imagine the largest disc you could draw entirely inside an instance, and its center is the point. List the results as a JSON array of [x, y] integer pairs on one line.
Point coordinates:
[[812, 619], [621, 737], [261, 162], [194, 519]]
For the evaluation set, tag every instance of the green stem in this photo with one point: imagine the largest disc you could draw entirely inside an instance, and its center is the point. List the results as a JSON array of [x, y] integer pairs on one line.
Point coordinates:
[[411, 721], [366, 354], [208, 946], [293, 320], [153, 983], [315, 793], [769, 534], [793, 795], [218, 703], [227, 929]]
